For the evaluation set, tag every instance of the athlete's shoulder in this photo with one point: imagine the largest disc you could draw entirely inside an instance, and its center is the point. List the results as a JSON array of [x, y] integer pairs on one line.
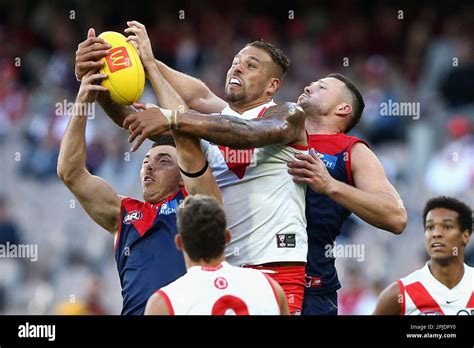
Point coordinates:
[[415, 276], [389, 300]]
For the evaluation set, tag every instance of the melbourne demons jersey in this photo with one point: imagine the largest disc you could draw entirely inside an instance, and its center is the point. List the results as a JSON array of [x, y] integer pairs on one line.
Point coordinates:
[[324, 216], [145, 251], [263, 206], [221, 290], [423, 294]]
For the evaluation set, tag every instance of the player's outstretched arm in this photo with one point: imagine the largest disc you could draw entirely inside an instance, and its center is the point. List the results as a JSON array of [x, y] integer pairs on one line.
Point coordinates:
[[165, 80], [96, 196], [194, 92], [196, 173], [156, 305], [281, 124], [373, 198], [389, 302]]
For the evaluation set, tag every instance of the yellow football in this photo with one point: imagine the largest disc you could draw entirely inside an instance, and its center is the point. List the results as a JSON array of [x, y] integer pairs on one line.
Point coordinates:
[[126, 77]]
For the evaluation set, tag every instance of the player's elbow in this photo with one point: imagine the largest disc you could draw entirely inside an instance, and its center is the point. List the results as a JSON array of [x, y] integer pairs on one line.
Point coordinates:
[[66, 173], [398, 223]]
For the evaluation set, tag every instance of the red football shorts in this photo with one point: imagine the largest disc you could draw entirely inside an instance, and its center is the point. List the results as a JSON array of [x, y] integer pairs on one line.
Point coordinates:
[[292, 280]]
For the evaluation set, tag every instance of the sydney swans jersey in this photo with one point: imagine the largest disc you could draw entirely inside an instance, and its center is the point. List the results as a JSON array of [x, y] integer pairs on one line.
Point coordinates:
[[221, 290], [423, 294], [265, 209]]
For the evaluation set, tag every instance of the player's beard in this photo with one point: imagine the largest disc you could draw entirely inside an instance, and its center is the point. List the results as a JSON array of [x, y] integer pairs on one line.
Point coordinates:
[[311, 108], [236, 97]]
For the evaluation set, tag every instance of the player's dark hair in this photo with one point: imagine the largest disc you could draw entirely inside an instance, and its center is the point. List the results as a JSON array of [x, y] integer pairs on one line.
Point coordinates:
[[277, 55], [358, 104], [166, 139], [463, 210], [202, 226]]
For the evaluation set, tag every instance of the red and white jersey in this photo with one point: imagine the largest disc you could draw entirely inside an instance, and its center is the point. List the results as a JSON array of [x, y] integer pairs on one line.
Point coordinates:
[[221, 290], [265, 209], [423, 294]]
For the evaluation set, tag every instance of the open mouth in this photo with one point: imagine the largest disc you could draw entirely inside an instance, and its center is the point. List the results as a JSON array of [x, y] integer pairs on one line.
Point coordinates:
[[148, 179], [437, 245], [234, 82]]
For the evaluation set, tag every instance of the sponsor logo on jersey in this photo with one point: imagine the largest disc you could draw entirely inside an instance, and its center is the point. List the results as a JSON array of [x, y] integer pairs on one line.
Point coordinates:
[[286, 240], [329, 161], [169, 208], [220, 283], [132, 216]]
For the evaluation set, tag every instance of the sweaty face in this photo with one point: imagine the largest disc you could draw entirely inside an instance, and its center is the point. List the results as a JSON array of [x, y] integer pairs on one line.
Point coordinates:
[[160, 175], [321, 97], [443, 237], [249, 76]]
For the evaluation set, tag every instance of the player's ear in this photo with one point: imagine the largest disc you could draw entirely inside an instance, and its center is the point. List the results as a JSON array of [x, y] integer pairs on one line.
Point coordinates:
[[228, 236], [465, 237], [273, 85], [178, 241], [343, 109]]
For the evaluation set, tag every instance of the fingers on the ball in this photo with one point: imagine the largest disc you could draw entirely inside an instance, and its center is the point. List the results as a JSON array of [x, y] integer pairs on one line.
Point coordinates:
[[92, 77], [93, 64], [96, 55], [97, 88], [90, 41], [91, 54]]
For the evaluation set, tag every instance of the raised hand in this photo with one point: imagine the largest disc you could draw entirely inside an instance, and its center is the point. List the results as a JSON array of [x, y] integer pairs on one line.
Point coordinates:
[[89, 89], [141, 42], [143, 124], [89, 54]]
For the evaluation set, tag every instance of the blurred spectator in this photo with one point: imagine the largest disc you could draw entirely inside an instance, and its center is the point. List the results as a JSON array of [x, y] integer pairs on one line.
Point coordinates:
[[457, 87], [12, 97], [451, 169], [10, 271], [8, 227], [90, 304]]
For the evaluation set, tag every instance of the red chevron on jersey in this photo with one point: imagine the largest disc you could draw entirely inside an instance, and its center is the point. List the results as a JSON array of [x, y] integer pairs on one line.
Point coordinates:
[[470, 303], [422, 298], [239, 160]]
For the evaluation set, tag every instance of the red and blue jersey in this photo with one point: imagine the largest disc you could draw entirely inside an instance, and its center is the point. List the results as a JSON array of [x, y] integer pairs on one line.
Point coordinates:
[[324, 216], [145, 251]]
